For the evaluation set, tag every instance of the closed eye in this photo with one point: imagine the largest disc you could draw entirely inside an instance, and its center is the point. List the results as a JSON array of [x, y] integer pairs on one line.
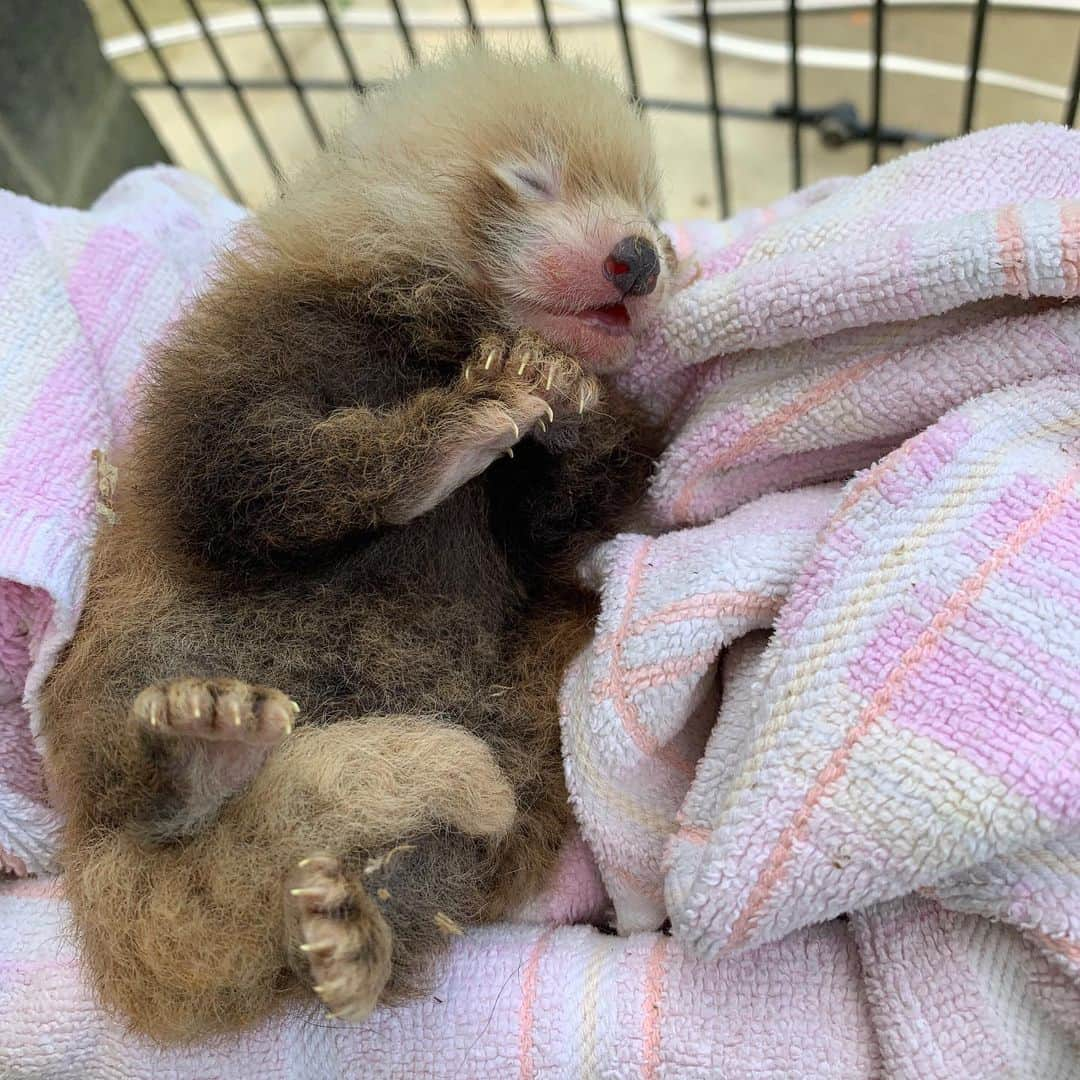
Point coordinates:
[[533, 182], [530, 180]]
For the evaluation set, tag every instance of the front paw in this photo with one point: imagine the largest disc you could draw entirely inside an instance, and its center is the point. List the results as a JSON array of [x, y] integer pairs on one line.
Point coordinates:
[[526, 366]]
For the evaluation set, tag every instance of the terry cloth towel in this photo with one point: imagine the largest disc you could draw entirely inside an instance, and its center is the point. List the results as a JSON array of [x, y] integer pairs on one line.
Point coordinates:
[[81, 295], [901, 749], [905, 746]]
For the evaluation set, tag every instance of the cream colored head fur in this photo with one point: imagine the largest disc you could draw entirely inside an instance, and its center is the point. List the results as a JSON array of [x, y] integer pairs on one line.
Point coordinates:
[[507, 178]]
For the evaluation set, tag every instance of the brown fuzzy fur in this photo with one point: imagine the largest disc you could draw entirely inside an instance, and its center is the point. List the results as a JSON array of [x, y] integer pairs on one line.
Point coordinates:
[[317, 506]]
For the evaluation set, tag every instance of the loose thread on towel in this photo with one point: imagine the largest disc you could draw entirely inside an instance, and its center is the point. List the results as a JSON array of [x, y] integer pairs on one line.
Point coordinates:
[[107, 474]]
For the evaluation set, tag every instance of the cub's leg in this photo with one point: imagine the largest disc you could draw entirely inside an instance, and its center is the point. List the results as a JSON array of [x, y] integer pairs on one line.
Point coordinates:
[[204, 934], [361, 933], [206, 740], [345, 942], [511, 388]]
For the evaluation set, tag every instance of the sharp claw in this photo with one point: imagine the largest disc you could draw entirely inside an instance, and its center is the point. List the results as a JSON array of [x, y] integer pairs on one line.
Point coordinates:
[[447, 925], [467, 366], [550, 413], [384, 859], [316, 946], [517, 430], [523, 365], [295, 708], [490, 360], [509, 451], [543, 426]]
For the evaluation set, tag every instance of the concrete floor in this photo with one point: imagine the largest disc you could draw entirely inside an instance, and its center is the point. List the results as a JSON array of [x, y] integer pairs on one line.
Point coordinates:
[[1037, 45]]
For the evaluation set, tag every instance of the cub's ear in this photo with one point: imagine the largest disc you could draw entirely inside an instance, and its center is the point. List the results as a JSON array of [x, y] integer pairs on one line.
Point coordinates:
[[529, 179]]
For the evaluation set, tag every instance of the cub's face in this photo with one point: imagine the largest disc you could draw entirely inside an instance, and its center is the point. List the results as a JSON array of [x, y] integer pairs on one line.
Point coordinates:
[[549, 176], [575, 251], [531, 182]]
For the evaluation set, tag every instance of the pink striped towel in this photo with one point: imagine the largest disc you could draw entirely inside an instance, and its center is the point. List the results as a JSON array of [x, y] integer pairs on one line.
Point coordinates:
[[829, 723], [906, 744]]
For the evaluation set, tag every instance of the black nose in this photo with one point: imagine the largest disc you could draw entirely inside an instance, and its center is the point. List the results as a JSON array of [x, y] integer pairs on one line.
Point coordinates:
[[633, 266]]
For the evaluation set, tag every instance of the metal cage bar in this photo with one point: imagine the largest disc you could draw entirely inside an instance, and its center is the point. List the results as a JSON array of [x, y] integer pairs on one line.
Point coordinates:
[[628, 50], [549, 27], [1074, 93], [978, 32], [716, 130], [878, 32], [241, 101], [694, 108], [796, 107], [404, 31], [169, 80], [342, 47], [838, 123], [290, 75], [470, 20]]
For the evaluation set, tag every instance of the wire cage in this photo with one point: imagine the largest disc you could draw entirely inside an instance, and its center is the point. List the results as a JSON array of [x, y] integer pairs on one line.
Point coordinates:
[[750, 97]]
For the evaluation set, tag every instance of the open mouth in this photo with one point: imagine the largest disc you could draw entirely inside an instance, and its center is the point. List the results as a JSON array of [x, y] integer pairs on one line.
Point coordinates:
[[596, 333], [612, 318]]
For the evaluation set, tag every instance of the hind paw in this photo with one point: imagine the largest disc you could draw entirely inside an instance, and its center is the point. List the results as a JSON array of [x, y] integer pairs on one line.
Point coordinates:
[[206, 739], [223, 710], [344, 941]]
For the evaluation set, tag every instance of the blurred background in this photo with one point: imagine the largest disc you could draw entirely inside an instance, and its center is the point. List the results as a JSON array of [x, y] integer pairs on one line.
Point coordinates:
[[749, 98]]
